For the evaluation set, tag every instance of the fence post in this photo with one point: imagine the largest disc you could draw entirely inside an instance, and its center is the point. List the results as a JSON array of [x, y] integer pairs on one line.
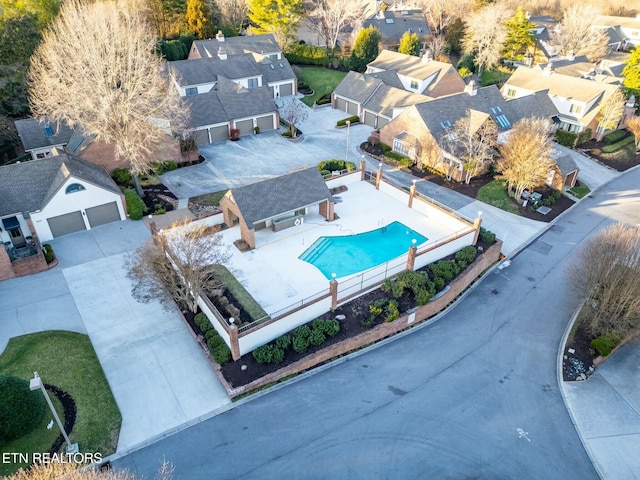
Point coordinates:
[[362, 166], [412, 192], [233, 340], [411, 257], [477, 223], [333, 290]]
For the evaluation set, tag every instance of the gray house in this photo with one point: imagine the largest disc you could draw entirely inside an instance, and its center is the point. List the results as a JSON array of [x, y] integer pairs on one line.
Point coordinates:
[[44, 138]]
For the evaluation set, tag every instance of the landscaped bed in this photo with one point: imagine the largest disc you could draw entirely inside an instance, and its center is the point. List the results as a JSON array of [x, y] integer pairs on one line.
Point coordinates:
[[623, 156], [67, 361]]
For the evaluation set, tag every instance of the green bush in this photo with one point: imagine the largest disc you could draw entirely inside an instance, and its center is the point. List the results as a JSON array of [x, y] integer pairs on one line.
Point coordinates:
[[568, 139], [283, 342], [122, 176], [487, 236], [301, 338], [343, 122], [424, 295], [21, 410], [212, 333], [317, 336], [135, 205], [202, 322], [615, 136], [304, 54], [268, 354], [385, 148], [400, 158], [615, 146], [438, 283], [584, 136], [214, 340], [393, 288], [368, 322], [221, 354], [331, 327], [605, 343], [445, 269], [48, 252], [335, 165], [391, 311], [286, 133], [466, 255], [323, 100]]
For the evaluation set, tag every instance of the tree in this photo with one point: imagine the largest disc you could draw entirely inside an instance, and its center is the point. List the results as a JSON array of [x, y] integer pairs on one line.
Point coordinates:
[[97, 68], [472, 140], [233, 13], [168, 17], [485, 35], [198, 18], [13, 90], [438, 46], [330, 17], [611, 113], [365, 49], [442, 13], [72, 471], [295, 112], [454, 35], [606, 273], [576, 35], [409, 44], [525, 158], [279, 17], [633, 125], [519, 33], [631, 73], [43, 10], [19, 37], [178, 265]]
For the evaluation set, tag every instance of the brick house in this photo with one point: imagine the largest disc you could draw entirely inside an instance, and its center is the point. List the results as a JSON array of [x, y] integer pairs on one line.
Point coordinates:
[[277, 203]]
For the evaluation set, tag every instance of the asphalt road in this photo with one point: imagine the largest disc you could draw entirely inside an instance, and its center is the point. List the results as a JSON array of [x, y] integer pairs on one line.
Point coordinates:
[[473, 395]]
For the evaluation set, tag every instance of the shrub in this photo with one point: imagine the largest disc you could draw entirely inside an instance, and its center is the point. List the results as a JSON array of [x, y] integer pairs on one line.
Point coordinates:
[[396, 156], [135, 205], [393, 288], [233, 311], [466, 255], [343, 122], [368, 322], [615, 146], [317, 336], [613, 137], [391, 311], [568, 139], [487, 236], [202, 322], [48, 252], [446, 269], [122, 176], [605, 343], [438, 283], [214, 340], [413, 280], [385, 148], [324, 99], [303, 54], [221, 354], [301, 338], [335, 165], [213, 333], [286, 133], [331, 327], [283, 342], [584, 136], [268, 354], [375, 310], [21, 410], [424, 295]]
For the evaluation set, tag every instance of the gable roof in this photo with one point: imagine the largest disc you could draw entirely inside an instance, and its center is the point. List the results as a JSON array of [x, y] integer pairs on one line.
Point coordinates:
[[409, 65], [276, 196], [42, 178], [565, 164], [228, 101], [393, 23], [264, 44], [33, 136], [385, 98]]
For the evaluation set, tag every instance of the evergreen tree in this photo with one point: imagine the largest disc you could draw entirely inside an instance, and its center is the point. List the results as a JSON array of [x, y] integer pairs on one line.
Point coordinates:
[[365, 50], [519, 33], [279, 17], [409, 44], [19, 37], [631, 73], [453, 36], [199, 18]]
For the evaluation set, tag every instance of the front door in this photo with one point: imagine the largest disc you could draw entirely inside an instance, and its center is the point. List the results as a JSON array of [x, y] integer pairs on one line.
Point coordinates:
[[12, 226]]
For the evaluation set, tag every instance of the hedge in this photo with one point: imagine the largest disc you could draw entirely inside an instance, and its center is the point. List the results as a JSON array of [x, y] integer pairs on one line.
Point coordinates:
[[343, 122], [605, 343], [135, 205], [584, 136], [615, 146], [303, 54], [21, 410], [568, 139], [613, 137], [48, 252], [335, 165]]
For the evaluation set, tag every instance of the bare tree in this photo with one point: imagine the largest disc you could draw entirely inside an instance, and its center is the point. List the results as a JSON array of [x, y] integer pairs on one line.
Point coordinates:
[[97, 68], [330, 17], [233, 12], [437, 44], [611, 113], [485, 35], [179, 265], [72, 471], [295, 112], [441, 13], [472, 140], [525, 158], [633, 125], [576, 35], [606, 273]]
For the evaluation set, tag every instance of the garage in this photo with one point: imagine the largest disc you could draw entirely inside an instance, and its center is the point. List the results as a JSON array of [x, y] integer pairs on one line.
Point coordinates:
[[370, 118], [265, 123], [66, 224], [245, 126], [352, 108], [382, 121], [201, 137], [102, 214], [341, 104], [219, 133], [286, 90]]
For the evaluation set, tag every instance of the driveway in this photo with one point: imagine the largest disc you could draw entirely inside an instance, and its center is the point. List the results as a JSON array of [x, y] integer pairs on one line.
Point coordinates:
[[157, 373], [592, 173]]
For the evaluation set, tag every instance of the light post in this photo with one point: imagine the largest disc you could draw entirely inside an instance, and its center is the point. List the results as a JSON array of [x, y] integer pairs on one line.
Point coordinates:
[[35, 384], [346, 156]]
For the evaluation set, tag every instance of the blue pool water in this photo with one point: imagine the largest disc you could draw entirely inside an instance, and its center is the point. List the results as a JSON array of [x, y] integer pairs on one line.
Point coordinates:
[[351, 254]]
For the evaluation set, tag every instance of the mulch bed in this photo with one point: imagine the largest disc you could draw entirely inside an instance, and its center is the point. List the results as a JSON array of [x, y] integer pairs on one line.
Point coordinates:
[[579, 364], [157, 197], [618, 162], [70, 412]]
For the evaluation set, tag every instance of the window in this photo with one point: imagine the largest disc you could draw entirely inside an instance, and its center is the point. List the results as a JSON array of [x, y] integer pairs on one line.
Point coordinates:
[[575, 108], [48, 131], [280, 64], [414, 84], [496, 110], [273, 56], [403, 149], [40, 155], [73, 188], [511, 92], [253, 82], [191, 91]]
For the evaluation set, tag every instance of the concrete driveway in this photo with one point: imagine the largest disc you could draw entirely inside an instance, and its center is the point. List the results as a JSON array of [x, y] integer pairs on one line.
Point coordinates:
[[591, 172], [157, 373]]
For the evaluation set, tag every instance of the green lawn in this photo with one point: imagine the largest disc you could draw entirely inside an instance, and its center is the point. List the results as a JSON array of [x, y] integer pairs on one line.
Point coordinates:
[[579, 190], [210, 199], [252, 307], [321, 80], [495, 77], [495, 193], [66, 360]]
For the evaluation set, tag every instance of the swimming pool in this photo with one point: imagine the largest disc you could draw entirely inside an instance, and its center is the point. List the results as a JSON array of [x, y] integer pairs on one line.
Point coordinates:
[[346, 255]]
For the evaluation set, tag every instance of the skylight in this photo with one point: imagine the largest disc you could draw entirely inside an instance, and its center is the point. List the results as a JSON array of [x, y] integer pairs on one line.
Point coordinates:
[[281, 65], [388, 20], [496, 110], [503, 121], [273, 67], [446, 124]]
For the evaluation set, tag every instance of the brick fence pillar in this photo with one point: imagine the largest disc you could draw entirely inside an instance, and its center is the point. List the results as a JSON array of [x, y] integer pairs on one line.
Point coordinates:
[[362, 165], [477, 223], [333, 290], [233, 340], [412, 193], [379, 176], [411, 258]]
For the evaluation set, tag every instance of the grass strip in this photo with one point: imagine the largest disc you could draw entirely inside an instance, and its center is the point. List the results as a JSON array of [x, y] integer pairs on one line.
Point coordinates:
[[245, 299]]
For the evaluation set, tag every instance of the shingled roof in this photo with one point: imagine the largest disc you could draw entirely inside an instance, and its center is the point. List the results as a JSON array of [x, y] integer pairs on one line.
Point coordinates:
[[263, 44], [33, 135], [279, 195], [28, 186], [392, 24]]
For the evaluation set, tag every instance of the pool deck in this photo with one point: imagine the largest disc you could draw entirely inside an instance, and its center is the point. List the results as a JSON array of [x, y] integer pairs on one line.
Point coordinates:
[[277, 278]]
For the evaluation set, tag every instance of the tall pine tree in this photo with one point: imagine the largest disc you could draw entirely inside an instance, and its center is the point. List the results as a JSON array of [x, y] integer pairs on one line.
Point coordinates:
[[409, 44], [366, 49], [198, 18], [519, 33]]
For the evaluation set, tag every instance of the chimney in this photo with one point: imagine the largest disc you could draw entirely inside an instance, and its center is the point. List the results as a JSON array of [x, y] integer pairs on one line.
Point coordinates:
[[427, 56], [548, 70], [220, 36], [527, 15], [471, 88], [222, 54], [572, 56]]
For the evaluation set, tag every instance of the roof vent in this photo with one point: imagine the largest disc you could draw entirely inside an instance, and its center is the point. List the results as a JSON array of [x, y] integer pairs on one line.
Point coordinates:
[[471, 88], [222, 54], [220, 36], [548, 70], [427, 56]]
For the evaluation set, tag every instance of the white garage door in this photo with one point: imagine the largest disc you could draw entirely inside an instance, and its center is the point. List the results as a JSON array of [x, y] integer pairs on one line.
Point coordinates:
[[219, 134], [102, 214], [65, 224], [201, 137], [341, 104], [265, 123], [370, 118], [382, 121], [352, 108], [286, 90], [245, 126]]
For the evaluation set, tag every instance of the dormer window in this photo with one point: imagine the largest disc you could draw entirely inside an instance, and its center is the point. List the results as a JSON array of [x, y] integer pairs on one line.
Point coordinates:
[[48, 131], [414, 84], [388, 20], [575, 108], [73, 188], [191, 91]]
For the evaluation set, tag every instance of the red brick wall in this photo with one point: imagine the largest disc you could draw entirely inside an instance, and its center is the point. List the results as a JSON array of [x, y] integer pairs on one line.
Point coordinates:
[[379, 331], [33, 264], [450, 83], [6, 269]]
